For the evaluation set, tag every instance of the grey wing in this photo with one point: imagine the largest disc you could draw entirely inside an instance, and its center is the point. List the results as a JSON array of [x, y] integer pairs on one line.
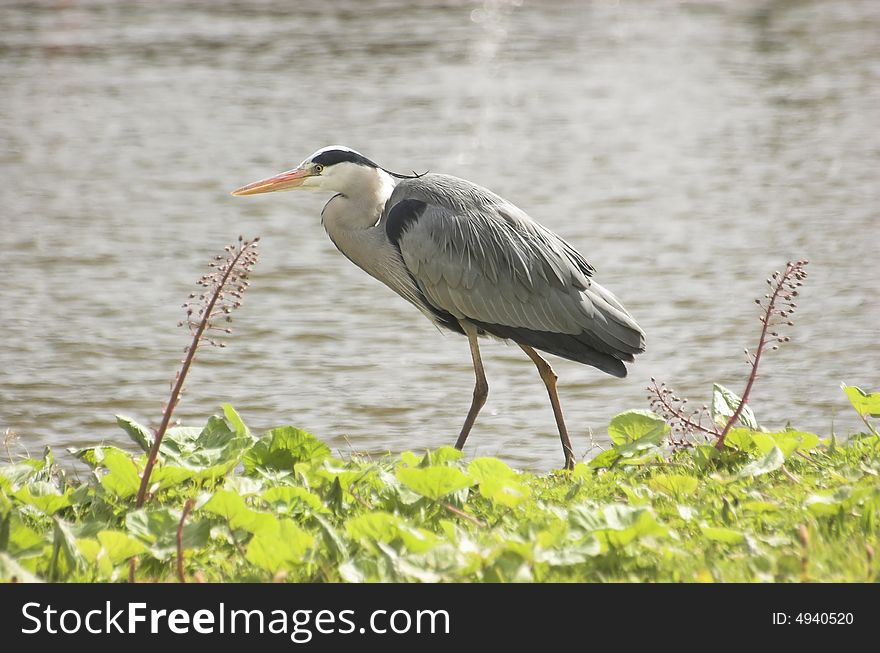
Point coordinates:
[[479, 258]]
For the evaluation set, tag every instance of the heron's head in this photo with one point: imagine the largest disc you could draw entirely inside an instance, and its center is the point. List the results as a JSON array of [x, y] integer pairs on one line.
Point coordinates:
[[335, 168]]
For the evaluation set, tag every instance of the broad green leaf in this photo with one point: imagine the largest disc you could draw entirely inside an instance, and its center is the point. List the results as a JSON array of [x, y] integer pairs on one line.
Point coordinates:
[[741, 439], [67, 558], [486, 468], [864, 403], [676, 485], [626, 523], [605, 459], [119, 546], [347, 475], [157, 528], [758, 506], [17, 473], [498, 482], [293, 498], [89, 548], [280, 548], [211, 450], [721, 534], [43, 496], [769, 463], [787, 441], [281, 448], [507, 492], [141, 435], [633, 425], [122, 477], [336, 545], [228, 505], [376, 526], [616, 524], [441, 456], [236, 422], [410, 459], [433, 482], [572, 554], [724, 405], [416, 539], [233, 509], [827, 505], [22, 539]]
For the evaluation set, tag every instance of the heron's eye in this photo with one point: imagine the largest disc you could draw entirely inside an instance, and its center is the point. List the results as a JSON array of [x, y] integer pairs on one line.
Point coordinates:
[[318, 168]]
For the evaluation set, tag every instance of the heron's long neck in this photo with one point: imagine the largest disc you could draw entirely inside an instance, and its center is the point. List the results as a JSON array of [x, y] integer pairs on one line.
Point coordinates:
[[350, 218]]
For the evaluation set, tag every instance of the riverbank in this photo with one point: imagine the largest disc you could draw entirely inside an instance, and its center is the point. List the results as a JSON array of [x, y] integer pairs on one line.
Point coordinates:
[[227, 505]]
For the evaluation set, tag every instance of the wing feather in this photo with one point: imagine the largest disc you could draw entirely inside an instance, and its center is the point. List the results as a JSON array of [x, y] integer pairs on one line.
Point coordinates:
[[480, 258]]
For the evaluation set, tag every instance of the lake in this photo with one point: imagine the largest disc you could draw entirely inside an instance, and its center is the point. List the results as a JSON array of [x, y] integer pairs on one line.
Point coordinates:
[[686, 149]]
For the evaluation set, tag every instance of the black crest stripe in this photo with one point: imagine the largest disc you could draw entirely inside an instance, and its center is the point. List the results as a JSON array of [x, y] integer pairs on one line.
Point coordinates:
[[332, 157]]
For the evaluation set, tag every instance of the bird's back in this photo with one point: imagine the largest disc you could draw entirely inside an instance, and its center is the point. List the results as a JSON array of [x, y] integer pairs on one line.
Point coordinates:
[[477, 257]]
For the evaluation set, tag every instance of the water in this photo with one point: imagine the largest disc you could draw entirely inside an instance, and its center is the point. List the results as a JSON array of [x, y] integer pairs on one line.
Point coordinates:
[[687, 150]]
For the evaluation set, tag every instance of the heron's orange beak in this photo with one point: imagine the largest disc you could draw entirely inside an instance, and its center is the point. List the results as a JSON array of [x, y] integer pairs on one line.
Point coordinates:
[[285, 181]]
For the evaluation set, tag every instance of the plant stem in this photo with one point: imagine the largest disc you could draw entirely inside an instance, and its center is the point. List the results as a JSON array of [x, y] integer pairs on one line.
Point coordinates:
[[181, 377], [762, 343]]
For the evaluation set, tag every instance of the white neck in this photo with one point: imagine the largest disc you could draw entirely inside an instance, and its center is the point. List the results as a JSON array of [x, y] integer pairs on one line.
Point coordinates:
[[361, 204], [351, 220]]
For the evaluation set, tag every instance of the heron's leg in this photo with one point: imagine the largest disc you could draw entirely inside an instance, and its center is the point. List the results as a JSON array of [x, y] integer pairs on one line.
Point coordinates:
[[548, 376], [481, 387]]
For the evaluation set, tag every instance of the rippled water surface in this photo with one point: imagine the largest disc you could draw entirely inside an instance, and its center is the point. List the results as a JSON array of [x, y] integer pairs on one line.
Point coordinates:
[[687, 150]]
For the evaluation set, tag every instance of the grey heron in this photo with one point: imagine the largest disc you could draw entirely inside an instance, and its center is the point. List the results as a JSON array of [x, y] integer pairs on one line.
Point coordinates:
[[473, 263]]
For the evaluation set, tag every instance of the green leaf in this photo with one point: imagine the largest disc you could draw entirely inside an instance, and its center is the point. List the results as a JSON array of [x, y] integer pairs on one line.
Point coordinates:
[[864, 403], [236, 422], [122, 478], [498, 482], [787, 441], [637, 425], [119, 546], [741, 439], [720, 534], [485, 468], [769, 463], [140, 434], [616, 524], [18, 473], [157, 529], [43, 496], [416, 539], [441, 456], [293, 498], [507, 492], [233, 509], [22, 539], [281, 448], [758, 506], [376, 526], [821, 506], [605, 459], [433, 482], [279, 548], [676, 485], [724, 405]]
